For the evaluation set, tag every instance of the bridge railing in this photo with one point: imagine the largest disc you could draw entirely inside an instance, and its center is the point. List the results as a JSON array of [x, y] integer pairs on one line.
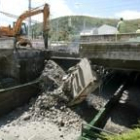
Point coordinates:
[[64, 46], [132, 37]]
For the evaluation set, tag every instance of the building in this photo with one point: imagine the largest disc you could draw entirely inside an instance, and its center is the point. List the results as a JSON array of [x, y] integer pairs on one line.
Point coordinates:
[[104, 29], [91, 31], [107, 29]]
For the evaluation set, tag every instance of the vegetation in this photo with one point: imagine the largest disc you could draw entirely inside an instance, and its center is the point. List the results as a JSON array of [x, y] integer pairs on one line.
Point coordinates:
[[131, 135], [65, 27]]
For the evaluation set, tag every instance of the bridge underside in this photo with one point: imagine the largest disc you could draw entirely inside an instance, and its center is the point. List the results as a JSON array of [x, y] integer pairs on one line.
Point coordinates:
[[117, 55], [113, 55], [119, 51], [122, 56]]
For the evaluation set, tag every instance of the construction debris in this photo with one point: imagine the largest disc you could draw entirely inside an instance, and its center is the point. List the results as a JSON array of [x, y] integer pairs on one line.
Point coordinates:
[[80, 81], [52, 103], [51, 76], [61, 90], [47, 112]]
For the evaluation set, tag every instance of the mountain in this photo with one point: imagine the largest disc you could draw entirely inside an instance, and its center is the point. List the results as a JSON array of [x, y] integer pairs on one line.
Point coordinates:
[[61, 28]]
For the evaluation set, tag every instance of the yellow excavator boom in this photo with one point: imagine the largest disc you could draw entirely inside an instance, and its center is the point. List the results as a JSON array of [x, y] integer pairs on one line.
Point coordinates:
[[15, 31]]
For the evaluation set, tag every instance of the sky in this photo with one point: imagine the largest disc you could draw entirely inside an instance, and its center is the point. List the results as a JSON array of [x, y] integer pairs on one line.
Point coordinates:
[[128, 9]]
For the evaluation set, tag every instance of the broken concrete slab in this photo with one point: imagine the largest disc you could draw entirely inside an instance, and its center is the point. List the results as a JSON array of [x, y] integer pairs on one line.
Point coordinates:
[[80, 81], [51, 77]]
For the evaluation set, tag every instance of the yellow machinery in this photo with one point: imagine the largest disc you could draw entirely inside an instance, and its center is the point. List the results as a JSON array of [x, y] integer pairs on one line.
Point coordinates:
[[19, 29]]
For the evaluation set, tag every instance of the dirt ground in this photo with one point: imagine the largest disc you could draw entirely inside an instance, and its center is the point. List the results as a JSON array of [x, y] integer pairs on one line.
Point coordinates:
[[22, 129]]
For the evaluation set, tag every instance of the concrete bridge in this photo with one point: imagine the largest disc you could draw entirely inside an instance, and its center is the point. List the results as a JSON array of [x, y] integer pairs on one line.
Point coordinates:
[[117, 51]]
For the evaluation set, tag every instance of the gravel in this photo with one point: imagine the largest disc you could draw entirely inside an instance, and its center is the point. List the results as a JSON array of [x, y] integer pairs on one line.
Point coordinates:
[[52, 104], [48, 111]]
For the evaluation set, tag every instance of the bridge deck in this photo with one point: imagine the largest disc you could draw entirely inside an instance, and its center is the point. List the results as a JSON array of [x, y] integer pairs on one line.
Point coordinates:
[[117, 51], [120, 51]]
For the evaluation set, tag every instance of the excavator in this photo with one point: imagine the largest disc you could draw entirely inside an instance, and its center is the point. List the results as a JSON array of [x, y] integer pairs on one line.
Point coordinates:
[[19, 29]]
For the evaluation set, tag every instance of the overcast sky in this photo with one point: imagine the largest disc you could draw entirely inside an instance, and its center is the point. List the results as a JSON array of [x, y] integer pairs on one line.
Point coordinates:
[[128, 9]]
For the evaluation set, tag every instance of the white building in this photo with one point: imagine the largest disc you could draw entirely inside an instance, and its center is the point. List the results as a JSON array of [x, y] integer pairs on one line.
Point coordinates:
[[104, 29], [107, 29], [92, 31]]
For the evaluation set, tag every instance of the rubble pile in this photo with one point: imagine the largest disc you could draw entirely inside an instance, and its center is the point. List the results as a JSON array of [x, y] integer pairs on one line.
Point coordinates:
[[52, 102], [51, 76], [96, 100], [55, 110]]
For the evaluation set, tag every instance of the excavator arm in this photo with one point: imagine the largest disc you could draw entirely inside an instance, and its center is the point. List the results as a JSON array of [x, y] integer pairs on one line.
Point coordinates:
[[45, 11], [15, 31]]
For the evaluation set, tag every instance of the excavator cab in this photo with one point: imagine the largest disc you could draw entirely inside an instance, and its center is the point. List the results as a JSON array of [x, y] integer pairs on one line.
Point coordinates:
[[23, 30], [9, 30]]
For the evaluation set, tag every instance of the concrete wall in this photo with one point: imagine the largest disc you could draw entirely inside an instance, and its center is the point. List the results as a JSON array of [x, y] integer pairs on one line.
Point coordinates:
[[23, 65], [14, 98], [114, 55], [18, 67], [119, 51], [30, 64], [6, 42]]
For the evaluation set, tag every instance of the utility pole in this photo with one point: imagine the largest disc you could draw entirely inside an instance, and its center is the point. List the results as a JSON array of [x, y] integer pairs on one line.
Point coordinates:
[[29, 23], [84, 24], [57, 30], [69, 22]]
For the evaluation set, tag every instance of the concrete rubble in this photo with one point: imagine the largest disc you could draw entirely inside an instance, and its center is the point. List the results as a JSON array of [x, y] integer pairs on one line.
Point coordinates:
[[48, 109], [80, 81], [51, 105], [51, 76]]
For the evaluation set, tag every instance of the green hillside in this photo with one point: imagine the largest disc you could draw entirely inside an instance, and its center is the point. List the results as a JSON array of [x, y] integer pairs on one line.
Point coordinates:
[[63, 27]]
